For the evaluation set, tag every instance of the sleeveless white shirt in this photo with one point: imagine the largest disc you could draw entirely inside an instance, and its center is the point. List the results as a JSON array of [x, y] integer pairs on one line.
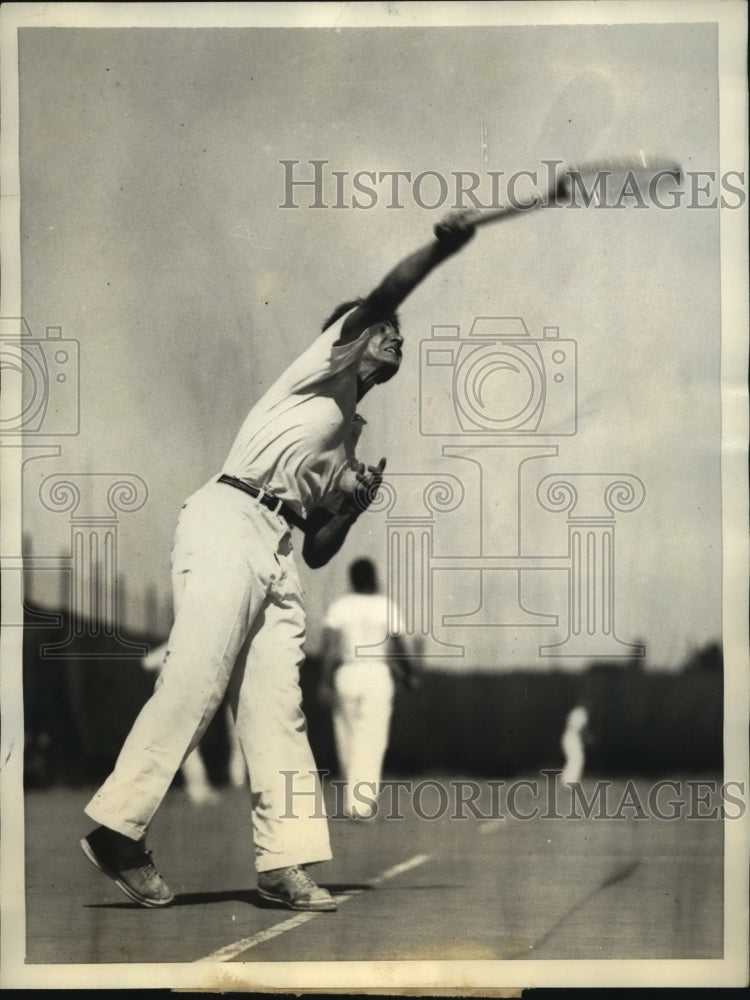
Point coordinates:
[[301, 435]]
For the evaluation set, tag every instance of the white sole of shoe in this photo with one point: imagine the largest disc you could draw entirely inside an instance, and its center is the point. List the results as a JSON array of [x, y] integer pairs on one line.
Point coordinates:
[[130, 893], [325, 907]]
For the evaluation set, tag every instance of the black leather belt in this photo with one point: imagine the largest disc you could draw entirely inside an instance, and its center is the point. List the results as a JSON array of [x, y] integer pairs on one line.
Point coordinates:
[[267, 499]]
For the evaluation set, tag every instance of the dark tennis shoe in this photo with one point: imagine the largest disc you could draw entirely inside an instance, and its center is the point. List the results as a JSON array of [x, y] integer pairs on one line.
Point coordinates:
[[128, 864], [293, 887]]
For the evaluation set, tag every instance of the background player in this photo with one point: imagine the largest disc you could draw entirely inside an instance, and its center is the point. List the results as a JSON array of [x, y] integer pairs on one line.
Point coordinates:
[[360, 688]]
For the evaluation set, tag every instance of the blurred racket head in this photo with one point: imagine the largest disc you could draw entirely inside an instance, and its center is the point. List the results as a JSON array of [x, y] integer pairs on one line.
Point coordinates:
[[609, 180]]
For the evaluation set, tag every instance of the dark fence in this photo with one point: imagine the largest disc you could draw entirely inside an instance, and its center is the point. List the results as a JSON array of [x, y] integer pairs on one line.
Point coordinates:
[[79, 709], [641, 723]]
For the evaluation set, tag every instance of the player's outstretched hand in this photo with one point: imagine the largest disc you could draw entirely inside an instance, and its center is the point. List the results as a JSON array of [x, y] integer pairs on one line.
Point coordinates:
[[456, 228]]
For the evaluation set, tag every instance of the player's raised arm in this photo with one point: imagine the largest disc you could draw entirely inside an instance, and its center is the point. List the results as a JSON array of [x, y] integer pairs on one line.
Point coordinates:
[[451, 233]]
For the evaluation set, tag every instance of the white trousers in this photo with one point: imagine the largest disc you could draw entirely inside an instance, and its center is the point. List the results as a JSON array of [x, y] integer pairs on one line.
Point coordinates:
[[239, 626], [362, 710]]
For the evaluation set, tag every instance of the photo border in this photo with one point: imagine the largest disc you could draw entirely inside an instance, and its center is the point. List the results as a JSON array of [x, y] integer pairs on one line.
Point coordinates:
[[431, 978]]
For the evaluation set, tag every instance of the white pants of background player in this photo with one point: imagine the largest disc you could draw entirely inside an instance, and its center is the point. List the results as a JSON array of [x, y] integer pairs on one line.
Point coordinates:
[[239, 626], [362, 709]]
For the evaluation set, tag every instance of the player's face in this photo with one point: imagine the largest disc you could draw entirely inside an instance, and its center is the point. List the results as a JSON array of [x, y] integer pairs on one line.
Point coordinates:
[[384, 349]]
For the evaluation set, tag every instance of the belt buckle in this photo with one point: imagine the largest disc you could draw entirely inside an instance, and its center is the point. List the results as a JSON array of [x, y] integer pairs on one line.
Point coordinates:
[[271, 498]]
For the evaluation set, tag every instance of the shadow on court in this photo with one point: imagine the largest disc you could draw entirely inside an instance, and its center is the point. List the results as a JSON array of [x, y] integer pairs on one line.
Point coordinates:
[[250, 897]]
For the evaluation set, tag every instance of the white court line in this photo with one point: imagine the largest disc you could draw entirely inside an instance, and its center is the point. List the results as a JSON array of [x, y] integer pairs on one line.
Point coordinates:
[[493, 826], [231, 951], [418, 859]]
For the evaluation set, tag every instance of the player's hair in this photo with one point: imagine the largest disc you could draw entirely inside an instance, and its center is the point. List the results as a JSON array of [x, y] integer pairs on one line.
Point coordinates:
[[363, 576], [345, 307]]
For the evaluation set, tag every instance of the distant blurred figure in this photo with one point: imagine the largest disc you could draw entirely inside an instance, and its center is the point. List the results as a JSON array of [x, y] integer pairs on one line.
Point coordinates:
[[572, 742], [198, 786], [360, 689]]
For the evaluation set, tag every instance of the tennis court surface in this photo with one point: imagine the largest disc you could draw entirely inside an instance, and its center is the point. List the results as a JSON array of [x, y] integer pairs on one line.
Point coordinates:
[[464, 885]]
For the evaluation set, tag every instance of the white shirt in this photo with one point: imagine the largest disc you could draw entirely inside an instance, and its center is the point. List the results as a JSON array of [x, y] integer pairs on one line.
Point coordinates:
[[361, 620], [301, 435]]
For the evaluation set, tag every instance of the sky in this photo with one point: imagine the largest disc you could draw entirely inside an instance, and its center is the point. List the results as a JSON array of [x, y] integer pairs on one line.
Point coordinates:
[[152, 233]]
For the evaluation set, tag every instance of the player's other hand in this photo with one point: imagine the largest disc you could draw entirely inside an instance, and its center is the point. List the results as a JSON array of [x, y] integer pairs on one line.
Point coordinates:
[[361, 485], [368, 483], [456, 228]]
